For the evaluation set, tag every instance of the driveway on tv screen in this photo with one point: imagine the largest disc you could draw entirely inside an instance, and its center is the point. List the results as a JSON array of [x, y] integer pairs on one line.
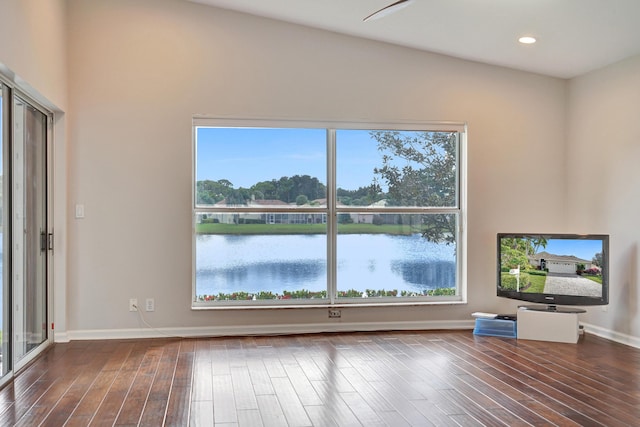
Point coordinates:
[[571, 284]]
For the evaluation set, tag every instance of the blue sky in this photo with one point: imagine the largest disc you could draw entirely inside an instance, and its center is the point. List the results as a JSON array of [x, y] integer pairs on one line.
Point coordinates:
[[246, 156], [583, 249]]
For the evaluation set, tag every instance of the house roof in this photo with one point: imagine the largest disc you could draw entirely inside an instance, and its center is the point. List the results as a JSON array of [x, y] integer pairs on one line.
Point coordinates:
[[257, 203], [558, 258], [267, 202]]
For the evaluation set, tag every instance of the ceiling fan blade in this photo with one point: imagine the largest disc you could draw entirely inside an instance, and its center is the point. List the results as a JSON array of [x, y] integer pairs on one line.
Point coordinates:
[[387, 10]]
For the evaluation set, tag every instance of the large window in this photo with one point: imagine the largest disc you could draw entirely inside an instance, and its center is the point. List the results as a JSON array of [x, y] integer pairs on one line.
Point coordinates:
[[327, 215]]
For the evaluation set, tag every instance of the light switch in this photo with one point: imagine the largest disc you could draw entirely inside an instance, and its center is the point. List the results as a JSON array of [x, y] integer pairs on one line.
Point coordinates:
[[79, 211]]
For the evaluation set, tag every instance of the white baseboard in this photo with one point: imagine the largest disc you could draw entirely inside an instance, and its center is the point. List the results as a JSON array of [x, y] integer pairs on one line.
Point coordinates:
[[60, 336], [611, 335], [218, 331]]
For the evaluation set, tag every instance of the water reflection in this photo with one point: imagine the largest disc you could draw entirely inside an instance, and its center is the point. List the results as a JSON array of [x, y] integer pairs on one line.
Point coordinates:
[[277, 263], [427, 275], [262, 276]]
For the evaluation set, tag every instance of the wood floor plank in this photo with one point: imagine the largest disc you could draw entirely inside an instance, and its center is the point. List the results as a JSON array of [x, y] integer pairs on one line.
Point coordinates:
[[155, 408], [22, 405], [259, 377], [202, 382], [365, 389], [290, 402], [321, 416], [608, 385], [249, 418], [433, 413], [331, 372], [201, 413], [504, 370], [116, 396], [406, 408], [243, 391], [62, 410], [179, 403], [270, 411], [302, 386], [540, 378], [94, 395], [415, 378], [339, 410], [362, 410], [133, 406], [224, 406]]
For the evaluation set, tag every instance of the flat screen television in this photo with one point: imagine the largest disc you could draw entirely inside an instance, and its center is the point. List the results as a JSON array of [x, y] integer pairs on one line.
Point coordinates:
[[554, 269]]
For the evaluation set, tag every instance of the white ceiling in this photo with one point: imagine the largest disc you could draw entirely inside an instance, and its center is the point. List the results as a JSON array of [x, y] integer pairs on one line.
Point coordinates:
[[574, 36]]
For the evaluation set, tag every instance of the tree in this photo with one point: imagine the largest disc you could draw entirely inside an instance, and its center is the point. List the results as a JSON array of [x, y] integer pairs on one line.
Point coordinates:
[[363, 196], [597, 259], [514, 252], [209, 192], [266, 188], [419, 169], [345, 218], [238, 197], [302, 200], [536, 244], [284, 188], [288, 188]]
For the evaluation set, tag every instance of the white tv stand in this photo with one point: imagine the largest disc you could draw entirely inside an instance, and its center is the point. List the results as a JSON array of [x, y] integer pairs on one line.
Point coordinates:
[[544, 323]]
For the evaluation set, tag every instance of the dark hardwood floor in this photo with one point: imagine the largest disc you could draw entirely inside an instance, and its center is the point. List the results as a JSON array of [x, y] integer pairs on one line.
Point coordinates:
[[389, 378]]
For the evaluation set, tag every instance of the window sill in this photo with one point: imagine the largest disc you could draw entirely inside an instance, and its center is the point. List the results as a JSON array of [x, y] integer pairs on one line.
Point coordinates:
[[327, 305]]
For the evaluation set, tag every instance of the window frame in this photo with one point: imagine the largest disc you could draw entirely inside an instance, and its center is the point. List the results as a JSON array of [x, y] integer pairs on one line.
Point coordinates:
[[331, 210]]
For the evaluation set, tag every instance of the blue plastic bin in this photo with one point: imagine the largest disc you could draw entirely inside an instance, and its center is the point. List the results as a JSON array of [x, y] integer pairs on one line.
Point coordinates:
[[496, 328]]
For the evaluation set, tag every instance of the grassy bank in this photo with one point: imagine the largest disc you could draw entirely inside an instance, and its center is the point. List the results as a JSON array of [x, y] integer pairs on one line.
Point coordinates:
[[597, 279], [262, 229]]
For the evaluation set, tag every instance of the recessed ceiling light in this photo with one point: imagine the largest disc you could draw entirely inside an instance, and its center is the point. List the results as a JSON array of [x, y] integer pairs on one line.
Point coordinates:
[[527, 40]]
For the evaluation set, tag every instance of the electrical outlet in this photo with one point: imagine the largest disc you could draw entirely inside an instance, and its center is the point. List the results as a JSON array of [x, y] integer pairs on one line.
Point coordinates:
[[150, 304], [335, 314], [133, 304]]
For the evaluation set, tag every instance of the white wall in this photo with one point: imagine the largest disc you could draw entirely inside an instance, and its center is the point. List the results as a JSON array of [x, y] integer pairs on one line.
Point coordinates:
[[603, 148], [33, 48], [33, 57], [139, 71]]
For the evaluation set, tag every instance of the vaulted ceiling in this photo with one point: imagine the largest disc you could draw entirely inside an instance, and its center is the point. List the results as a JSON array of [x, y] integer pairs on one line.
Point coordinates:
[[574, 36]]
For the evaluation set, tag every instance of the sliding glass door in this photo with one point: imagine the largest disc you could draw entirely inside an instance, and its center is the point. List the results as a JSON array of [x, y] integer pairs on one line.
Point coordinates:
[[5, 231], [30, 236], [24, 236]]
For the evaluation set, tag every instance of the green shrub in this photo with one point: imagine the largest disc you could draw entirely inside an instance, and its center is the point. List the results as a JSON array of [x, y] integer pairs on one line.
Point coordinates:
[[251, 221], [351, 293], [381, 293], [303, 294], [537, 272], [509, 282], [307, 294], [441, 292]]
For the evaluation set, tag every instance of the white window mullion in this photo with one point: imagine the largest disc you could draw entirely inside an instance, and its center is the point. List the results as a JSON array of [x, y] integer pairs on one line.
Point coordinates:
[[332, 217]]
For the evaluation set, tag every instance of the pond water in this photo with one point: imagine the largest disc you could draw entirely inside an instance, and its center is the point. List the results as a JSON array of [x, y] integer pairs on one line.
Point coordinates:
[[227, 264]]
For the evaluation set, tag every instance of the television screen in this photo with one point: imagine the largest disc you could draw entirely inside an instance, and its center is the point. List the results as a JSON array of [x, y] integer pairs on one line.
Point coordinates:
[[555, 269]]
